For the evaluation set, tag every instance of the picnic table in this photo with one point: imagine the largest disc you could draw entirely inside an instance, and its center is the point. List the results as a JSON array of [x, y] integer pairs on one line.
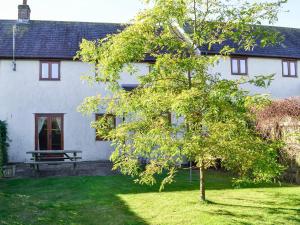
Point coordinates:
[[53, 157]]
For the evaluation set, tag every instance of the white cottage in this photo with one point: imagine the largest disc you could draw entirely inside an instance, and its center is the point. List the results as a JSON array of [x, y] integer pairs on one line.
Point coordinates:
[[40, 85]]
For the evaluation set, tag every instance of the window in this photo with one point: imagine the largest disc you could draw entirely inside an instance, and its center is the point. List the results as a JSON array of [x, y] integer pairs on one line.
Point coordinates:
[[49, 70], [289, 68], [49, 131], [239, 66], [110, 123]]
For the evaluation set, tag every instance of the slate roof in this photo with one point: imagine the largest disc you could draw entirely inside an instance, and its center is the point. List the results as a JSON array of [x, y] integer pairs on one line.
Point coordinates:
[[289, 48], [60, 40], [50, 39]]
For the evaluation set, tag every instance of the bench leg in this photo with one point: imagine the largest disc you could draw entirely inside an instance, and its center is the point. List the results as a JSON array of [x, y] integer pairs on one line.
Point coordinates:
[[36, 167], [74, 158], [36, 170]]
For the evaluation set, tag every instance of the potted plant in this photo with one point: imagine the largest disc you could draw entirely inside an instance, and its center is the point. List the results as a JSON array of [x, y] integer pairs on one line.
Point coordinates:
[[9, 171]]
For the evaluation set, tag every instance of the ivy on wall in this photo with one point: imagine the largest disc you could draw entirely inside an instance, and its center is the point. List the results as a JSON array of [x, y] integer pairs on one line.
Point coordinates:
[[3, 144]]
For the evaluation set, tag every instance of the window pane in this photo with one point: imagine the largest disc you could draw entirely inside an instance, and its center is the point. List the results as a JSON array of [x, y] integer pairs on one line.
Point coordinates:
[[45, 70], [285, 68], [243, 66], [56, 128], [55, 70], [293, 68], [42, 132], [234, 64], [108, 124], [111, 122]]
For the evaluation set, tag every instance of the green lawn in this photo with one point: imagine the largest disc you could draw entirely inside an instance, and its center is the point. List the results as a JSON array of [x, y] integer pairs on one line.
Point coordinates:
[[117, 200]]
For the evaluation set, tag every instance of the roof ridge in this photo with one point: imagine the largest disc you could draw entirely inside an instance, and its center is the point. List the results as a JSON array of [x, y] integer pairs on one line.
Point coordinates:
[[115, 23], [271, 26], [61, 21]]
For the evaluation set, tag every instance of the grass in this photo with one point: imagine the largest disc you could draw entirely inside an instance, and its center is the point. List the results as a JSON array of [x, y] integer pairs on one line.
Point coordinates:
[[117, 200]]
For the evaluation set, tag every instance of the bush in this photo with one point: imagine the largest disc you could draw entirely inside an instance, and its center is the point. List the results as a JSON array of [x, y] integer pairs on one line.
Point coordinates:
[[281, 121], [3, 144]]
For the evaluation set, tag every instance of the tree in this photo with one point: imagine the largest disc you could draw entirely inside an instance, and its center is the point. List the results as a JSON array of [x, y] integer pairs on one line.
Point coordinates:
[[211, 117]]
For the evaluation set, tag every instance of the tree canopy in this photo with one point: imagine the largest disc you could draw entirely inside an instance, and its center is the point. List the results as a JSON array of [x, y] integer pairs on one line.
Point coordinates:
[[210, 116]]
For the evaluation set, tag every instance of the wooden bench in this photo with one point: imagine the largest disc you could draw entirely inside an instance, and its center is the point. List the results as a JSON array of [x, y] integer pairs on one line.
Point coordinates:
[[53, 157]]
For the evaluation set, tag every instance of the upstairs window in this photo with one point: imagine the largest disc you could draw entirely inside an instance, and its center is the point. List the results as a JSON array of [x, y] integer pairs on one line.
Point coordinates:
[[49, 70], [289, 68], [239, 66], [110, 121]]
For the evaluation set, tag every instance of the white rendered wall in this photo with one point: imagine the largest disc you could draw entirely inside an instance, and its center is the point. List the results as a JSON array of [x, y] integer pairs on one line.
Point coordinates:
[[281, 87], [22, 95]]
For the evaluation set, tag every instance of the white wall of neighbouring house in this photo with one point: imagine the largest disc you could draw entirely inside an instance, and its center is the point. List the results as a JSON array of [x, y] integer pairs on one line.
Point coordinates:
[[281, 87], [22, 95]]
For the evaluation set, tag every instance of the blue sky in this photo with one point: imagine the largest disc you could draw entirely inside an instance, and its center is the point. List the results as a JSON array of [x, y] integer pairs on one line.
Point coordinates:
[[107, 10]]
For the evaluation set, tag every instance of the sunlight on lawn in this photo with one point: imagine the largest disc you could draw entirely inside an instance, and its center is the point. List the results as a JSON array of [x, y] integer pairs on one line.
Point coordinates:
[[246, 206], [118, 200]]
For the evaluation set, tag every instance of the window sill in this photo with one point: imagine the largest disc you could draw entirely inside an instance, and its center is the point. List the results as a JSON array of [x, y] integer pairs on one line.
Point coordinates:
[[290, 76], [49, 80], [239, 74], [102, 140]]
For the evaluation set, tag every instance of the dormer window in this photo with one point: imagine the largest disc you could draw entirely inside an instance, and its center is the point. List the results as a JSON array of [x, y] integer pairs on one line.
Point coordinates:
[[289, 68], [49, 70], [239, 66]]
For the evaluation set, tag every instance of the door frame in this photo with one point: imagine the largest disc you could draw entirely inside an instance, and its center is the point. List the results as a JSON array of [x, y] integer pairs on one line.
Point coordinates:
[[36, 116]]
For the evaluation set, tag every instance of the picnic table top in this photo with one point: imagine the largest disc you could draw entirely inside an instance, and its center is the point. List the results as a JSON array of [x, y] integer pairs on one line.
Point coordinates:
[[53, 151]]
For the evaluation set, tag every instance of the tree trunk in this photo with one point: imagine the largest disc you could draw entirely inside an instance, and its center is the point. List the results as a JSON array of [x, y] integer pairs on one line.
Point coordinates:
[[202, 182], [191, 171]]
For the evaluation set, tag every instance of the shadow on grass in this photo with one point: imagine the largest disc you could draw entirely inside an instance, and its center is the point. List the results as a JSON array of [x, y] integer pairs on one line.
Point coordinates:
[[70, 200], [215, 180], [95, 200], [274, 210], [239, 217]]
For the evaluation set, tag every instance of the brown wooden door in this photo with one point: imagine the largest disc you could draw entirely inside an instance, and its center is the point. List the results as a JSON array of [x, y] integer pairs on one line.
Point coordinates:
[[49, 132]]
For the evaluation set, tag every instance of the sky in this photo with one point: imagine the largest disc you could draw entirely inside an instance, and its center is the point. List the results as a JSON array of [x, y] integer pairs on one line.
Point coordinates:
[[119, 11]]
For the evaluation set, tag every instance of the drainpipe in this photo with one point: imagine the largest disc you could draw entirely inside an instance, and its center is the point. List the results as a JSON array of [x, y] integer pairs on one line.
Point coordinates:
[[14, 64]]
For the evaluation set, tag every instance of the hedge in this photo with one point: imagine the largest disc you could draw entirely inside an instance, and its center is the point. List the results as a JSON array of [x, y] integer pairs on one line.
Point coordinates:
[[281, 121], [3, 144]]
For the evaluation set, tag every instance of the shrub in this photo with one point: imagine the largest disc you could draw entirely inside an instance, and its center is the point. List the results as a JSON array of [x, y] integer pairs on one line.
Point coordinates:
[[3, 144], [281, 121]]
